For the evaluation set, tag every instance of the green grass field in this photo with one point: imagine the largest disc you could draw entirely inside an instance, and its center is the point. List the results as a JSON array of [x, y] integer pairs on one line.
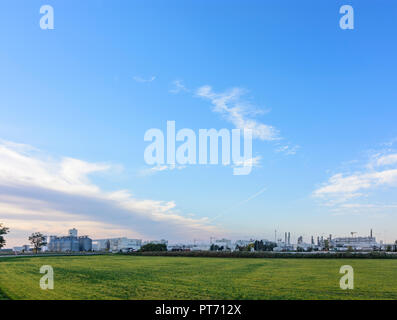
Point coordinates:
[[134, 277]]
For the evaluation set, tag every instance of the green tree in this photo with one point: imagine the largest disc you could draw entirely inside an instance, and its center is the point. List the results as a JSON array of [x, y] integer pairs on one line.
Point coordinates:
[[259, 246], [38, 240], [242, 248], [326, 245], [3, 231], [151, 247], [214, 247], [264, 246]]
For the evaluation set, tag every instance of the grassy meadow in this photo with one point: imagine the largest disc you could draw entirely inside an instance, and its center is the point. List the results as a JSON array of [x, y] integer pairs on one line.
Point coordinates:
[[136, 277]]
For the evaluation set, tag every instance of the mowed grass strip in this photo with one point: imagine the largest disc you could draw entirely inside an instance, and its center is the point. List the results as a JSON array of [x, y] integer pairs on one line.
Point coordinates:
[[134, 277]]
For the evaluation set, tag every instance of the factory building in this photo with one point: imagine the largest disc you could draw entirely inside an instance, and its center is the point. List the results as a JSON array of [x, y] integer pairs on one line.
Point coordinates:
[[284, 246], [225, 244], [117, 244], [85, 243], [24, 248], [355, 243], [70, 243]]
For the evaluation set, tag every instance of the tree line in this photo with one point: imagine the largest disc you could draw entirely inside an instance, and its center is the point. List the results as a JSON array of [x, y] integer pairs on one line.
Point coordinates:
[[37, 239]]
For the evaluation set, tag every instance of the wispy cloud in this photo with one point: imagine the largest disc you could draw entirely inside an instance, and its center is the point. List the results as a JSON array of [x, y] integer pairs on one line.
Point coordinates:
[[390, 159], [178, 87], [43, 193], [160, 168], [251, 162], [288, 149], [251, 197], [239, 112], [390, 143], [255, 195], [143, 80], [343, 188]]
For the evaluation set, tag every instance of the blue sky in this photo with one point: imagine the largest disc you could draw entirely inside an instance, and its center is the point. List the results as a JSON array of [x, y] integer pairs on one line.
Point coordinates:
[[76, 102]]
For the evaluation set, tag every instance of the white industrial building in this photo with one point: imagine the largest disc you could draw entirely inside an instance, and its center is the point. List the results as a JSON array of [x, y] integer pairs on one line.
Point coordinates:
[[117, 244], [243, 243], [189, 247], [284, 245], [24, 248], [225, 243], [69, 243], [355, 243]]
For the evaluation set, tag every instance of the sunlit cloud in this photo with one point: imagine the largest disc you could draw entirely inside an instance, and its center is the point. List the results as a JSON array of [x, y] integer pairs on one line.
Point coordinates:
[[343, 190], [36, 188]]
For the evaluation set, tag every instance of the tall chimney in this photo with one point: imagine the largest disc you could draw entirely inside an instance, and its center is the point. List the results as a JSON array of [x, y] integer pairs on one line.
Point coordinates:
[[289, 238]]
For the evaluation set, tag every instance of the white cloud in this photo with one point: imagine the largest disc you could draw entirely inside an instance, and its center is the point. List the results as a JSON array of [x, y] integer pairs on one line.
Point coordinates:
[[39, 193], [343, 187], [238, 112], [178, 87], [367, 206], [390, 143], [251, 162], [288, 150], [387, 160], [351, 184], [143, 80], [160, 168]]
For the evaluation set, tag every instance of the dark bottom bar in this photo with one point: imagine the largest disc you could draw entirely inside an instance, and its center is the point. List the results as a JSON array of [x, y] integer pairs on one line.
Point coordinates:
[[217, 309]]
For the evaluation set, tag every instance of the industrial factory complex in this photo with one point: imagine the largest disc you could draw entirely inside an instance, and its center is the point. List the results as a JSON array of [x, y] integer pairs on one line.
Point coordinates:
[[70, 243], [74, 243]]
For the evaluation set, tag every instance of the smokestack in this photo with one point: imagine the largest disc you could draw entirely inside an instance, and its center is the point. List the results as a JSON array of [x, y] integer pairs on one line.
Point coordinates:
[[285, 241], [330, 237], [371, 233], [289, 238], [312, 240]]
